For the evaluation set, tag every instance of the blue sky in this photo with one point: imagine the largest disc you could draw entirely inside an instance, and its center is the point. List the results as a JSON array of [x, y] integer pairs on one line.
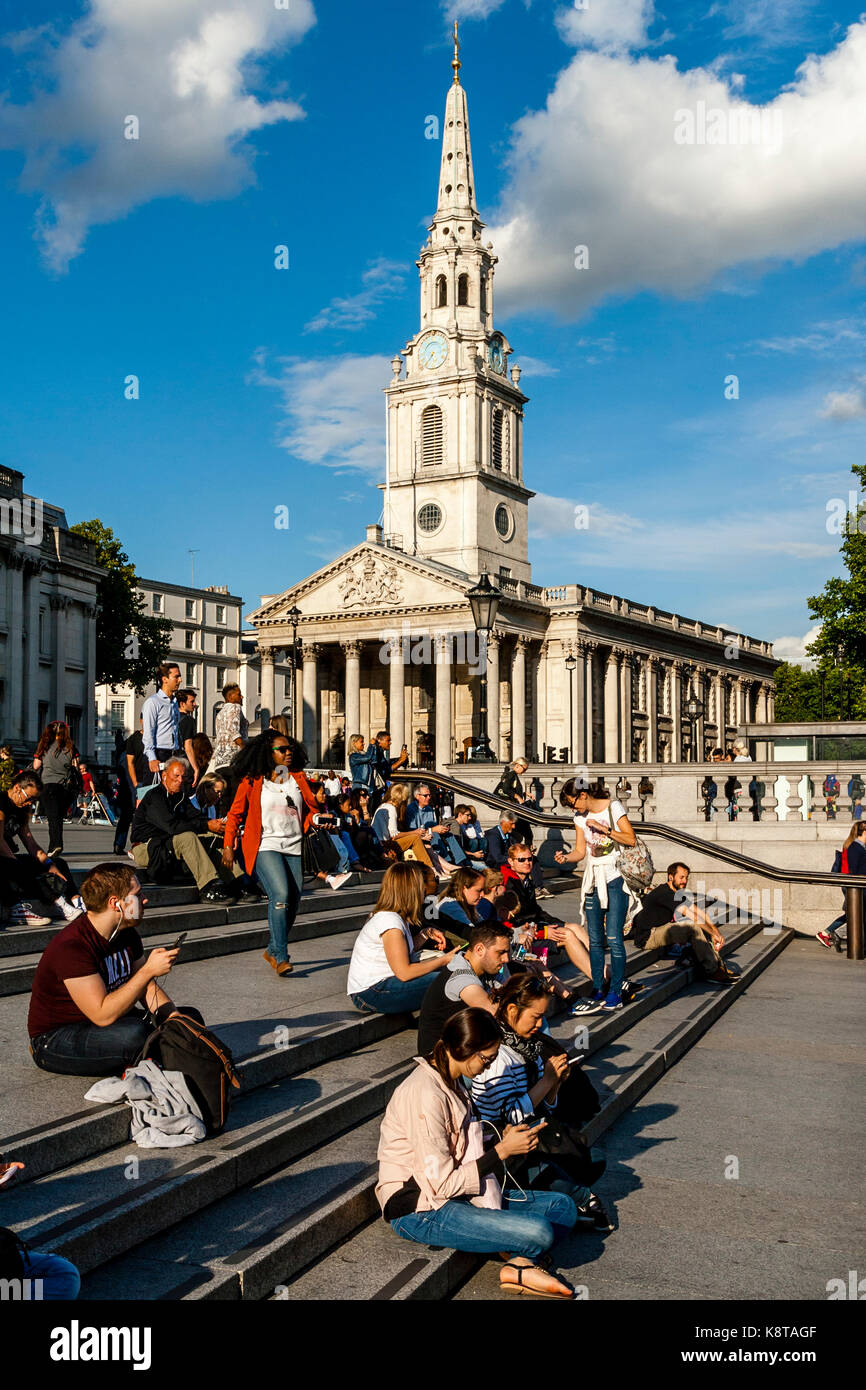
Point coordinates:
[[306, 127]]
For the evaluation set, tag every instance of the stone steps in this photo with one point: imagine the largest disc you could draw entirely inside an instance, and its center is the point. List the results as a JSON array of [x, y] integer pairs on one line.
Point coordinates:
[[622, 1074], [320, 1146]]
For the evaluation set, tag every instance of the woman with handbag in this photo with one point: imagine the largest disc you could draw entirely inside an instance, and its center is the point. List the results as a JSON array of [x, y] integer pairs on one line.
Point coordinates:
[[56, 761], [533, 1075], [273, 802], [390, 833], [601, 829], [437, 1186]]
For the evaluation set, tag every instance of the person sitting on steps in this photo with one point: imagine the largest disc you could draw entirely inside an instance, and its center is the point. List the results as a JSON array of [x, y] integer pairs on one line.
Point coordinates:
[[83, 1018], [667, 919], [166, 827], [383, 976], [436, 1184], [466, 983]]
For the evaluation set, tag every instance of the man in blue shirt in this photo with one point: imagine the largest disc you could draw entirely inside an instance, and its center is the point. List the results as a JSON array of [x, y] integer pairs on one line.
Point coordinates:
[[160, 716], [421, 816]]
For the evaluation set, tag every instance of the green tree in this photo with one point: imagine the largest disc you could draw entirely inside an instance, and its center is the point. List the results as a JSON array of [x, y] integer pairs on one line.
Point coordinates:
[[129, 643], [798, 693], [841, 608]]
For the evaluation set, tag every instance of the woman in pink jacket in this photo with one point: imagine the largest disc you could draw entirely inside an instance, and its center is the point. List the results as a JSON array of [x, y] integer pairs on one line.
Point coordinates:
[[432, 1159]]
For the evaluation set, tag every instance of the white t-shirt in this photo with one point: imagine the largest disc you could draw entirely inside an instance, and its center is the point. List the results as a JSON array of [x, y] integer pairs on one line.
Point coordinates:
[[369, 964], [385, 822], [606, 863], [282, 816], [333, 786]]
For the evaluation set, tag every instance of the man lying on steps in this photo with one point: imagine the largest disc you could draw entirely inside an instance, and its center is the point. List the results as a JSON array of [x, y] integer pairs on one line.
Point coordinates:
[[83, 1019], [667, 919]]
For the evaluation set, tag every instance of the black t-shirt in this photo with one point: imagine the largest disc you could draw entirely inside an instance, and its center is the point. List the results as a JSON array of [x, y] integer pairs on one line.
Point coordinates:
[[657, 909], [134, 747], [15, 818], [185, 729]]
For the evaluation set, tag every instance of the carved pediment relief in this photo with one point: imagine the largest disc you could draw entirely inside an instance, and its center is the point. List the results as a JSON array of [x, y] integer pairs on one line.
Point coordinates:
[[370, 582]]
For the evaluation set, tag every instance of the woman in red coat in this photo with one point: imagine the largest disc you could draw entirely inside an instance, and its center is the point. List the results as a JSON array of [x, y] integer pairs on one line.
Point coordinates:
[[275, 804]]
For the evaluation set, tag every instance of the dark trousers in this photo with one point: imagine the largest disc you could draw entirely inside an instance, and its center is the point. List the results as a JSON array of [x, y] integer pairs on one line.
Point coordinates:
[[22, 878], [54, 799], [125, 810], [85, 1049]]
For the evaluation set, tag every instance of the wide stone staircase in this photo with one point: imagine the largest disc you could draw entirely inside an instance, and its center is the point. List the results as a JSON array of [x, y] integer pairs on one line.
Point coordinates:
[[282, 1205]]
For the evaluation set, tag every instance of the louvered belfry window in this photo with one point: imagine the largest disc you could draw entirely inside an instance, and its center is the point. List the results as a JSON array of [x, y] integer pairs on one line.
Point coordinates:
[[496, 439], [432, 436]]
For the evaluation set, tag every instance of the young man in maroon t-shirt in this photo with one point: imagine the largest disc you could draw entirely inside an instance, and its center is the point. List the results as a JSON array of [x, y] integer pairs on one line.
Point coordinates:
[[83, 1020]]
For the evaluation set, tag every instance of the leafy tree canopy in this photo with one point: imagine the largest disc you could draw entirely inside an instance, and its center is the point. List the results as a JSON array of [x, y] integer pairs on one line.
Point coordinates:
[[129, 643]]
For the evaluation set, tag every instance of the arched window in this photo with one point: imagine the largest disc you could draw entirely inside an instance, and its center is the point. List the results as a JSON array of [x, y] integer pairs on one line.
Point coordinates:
[[498, 440], [441, 292], [432, 436], [463, 290]]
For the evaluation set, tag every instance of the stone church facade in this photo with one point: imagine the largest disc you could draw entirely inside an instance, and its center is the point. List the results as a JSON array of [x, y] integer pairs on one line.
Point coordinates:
[[386, 631]]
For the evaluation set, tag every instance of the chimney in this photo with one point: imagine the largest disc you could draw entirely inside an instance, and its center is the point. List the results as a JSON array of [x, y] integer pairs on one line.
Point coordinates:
[[374, 534]]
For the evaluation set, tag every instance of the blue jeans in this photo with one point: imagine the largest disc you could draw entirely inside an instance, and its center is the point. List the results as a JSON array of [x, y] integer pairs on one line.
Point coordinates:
[[450, 848], [346, 840], [60, 1279], [85, 1049], [393, 996], [522, 1227], [281, 877], [611, 920]]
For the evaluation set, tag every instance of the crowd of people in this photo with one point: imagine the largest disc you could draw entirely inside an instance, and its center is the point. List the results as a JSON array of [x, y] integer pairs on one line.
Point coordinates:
[[480, 1147]]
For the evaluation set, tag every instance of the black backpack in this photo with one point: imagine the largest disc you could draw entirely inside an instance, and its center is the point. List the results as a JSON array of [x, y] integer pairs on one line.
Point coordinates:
[[183, 1044]]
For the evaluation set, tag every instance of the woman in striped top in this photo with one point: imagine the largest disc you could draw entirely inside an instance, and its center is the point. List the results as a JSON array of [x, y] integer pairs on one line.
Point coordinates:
[[520, 1082]]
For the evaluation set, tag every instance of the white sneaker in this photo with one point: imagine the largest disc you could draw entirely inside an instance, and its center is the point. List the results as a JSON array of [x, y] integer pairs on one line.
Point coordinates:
[[22, 915], [69, 912], [337, 880]]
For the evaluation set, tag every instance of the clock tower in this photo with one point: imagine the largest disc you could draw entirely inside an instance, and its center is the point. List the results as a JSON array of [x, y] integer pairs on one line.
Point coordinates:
[[454, 490]]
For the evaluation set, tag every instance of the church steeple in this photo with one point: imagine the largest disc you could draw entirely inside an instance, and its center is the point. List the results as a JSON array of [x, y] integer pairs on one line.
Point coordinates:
[[455, 490], [456, 203]]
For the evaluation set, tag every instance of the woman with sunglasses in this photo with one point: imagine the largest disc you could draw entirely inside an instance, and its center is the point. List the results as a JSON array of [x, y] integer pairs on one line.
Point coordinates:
[[274, 802], [437, 1186], [56, 761]]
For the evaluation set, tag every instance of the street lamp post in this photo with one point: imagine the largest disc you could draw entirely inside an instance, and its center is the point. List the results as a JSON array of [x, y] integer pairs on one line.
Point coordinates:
[[294, 616], [694, 708], [839, 663], [484, 602], [570, 666]]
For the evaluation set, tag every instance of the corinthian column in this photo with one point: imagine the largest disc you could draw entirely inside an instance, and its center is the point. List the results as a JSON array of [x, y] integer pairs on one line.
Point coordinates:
[[311, 653], [518, 699], [493, 692], [269, 686], [443, 700], [352, 651]]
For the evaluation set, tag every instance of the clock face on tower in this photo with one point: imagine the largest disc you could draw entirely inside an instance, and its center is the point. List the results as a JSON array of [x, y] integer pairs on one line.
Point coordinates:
[[433, 351], [497, 354]]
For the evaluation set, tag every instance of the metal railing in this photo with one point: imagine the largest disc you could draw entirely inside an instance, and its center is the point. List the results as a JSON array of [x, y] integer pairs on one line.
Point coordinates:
[[852, 884]]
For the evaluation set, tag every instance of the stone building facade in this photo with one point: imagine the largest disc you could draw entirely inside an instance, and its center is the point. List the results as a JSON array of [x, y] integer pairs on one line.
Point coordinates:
[[387, 631], [209, 646], [48, 590]]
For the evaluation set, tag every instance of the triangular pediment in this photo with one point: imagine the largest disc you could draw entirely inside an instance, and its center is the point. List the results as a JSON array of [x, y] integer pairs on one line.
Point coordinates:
[[369, 581]]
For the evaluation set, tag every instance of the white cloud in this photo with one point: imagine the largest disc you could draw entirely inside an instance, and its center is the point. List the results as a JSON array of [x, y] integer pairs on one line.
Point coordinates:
[[599, 167], [470, 9], [793, 649], [533, 366], [845, 405], [821, 337], [184, 68], [609, 24], [381, 279], [561, 516], [332, 409]]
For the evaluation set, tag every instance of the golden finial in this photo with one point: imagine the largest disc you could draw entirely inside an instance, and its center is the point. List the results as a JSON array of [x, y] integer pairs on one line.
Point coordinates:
[[455, 62]]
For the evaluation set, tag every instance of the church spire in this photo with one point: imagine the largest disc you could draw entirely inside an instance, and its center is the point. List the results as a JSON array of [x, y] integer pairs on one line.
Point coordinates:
[[456, 179]]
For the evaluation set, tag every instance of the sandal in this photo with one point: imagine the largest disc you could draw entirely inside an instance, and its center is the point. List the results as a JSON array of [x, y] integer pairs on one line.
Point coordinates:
[[566, 1290]]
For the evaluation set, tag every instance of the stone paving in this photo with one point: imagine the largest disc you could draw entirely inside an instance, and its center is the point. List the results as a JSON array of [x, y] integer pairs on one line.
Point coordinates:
[[774, 1095]]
